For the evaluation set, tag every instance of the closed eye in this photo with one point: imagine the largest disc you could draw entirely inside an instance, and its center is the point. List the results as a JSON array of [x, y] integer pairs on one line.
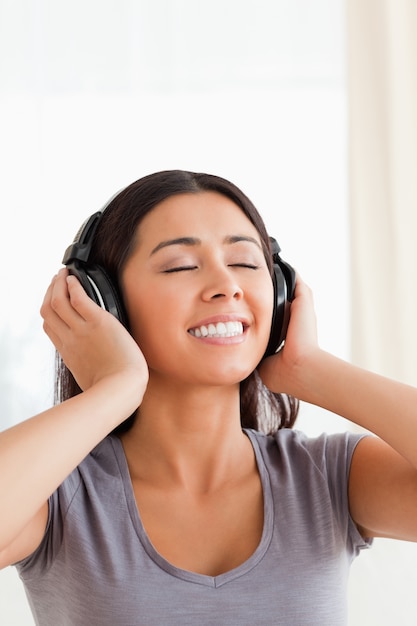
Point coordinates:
[[249, 266], [181, 268], [186, 268]]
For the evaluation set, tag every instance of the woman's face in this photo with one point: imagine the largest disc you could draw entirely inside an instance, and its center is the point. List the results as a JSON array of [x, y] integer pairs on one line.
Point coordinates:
[[198, 292]]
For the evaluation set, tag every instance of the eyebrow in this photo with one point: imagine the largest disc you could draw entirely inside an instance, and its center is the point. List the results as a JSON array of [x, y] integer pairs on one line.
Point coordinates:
[[194, 241]]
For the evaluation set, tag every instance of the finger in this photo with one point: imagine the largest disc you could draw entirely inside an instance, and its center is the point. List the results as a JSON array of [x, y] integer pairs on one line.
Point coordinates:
[[46, 309], [87, 308], [46, 302], [56, 307], [54, 337], [61, 302]]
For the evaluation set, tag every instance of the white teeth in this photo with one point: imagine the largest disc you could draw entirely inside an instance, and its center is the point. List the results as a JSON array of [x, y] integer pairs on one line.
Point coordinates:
[[221, 329]]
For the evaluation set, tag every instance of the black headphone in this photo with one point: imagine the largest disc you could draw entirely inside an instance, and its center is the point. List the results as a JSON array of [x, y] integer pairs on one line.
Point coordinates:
[[105, 293], [283, 279]]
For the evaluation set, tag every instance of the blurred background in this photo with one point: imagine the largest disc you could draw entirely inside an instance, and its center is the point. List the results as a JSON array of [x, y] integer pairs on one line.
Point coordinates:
[[309, 107]]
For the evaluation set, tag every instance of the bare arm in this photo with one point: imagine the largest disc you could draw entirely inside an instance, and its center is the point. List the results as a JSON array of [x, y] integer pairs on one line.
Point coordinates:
[[38, 454], [383, 480]]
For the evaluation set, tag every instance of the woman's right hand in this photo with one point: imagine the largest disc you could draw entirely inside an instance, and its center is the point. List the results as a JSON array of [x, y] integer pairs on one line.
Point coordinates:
[[93, 344]]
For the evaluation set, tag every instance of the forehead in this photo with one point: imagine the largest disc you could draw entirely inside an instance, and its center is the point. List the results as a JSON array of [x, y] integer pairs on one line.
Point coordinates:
[[194, 214]]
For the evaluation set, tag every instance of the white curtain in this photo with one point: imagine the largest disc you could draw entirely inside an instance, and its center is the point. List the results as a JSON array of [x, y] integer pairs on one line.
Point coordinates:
[[382, 88], [382, 46]]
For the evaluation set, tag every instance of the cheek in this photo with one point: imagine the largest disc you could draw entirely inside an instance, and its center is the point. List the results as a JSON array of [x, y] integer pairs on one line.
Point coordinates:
[[144, 318], [150, 319], [265, 299]]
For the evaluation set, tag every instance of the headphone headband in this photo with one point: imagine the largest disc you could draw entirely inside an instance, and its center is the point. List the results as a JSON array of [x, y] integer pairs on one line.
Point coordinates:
[[80, 248]]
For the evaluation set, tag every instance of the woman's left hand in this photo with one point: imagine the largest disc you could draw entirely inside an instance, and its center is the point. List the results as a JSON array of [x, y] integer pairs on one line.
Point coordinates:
[[283, 372]]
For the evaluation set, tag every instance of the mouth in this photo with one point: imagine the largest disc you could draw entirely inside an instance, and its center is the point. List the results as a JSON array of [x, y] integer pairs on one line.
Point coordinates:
[[221, 329]]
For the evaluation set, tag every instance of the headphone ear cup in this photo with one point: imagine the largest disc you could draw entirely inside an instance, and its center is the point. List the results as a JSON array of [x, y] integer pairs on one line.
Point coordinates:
[[283, 279], [100, 288], [96, 282]]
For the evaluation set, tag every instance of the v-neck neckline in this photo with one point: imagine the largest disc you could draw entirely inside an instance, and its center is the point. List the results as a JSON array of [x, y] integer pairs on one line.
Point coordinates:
[[190, 576]]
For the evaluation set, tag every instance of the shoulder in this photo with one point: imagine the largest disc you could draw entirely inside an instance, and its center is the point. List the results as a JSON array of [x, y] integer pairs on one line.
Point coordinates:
[[105, 457], [287, 443], [323, 462], [101, 463]]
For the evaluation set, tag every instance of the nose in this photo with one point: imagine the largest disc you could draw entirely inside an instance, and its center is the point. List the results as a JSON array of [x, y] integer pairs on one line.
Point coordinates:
[[222, 283]]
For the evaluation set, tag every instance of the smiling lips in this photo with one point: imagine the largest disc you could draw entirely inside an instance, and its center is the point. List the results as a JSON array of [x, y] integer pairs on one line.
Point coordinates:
[[221, 329]]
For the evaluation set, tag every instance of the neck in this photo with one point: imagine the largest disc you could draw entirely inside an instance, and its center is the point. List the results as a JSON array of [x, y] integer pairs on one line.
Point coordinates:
[[188, 437]]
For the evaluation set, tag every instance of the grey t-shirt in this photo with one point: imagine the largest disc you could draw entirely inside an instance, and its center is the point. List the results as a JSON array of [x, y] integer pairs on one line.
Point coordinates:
[[96, 565]]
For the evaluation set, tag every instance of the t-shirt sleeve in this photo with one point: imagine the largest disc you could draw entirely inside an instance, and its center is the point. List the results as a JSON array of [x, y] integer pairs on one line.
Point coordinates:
[[58, 505], [325, 462], [338, 457]]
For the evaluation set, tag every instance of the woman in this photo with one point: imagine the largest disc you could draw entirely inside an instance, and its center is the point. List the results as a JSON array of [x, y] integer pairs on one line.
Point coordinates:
[[142, 500]]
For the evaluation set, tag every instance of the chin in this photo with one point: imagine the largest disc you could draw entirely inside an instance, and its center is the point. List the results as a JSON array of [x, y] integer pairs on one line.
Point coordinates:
[[226, 377]]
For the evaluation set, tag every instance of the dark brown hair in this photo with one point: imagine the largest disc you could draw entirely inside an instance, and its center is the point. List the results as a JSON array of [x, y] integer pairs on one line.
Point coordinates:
[[113, 244]]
